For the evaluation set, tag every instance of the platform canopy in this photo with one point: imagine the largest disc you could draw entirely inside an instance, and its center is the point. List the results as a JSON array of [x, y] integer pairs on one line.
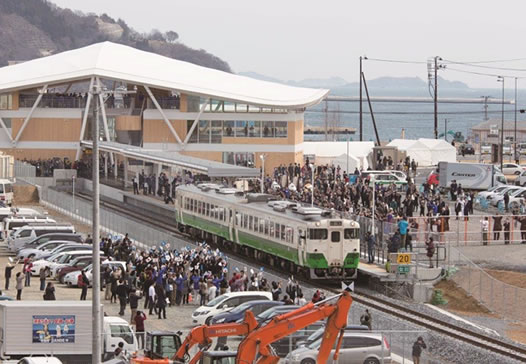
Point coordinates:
[[176, 159], [123, 63]]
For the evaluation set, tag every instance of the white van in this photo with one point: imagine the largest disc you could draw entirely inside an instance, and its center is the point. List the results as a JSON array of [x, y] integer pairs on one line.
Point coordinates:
[[225, 302], [14, 223], [6, 191], [30, 232]]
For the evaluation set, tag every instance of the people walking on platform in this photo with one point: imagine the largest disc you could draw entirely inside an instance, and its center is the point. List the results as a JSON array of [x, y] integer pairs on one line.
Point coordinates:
[[418, 346], [430, 251], [366, 319], [371, 245]]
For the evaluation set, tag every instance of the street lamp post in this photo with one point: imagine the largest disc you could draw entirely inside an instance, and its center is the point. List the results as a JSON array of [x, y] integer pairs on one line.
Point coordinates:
[[312, 183], [517, 157], [262, 156], [501, 79], [374, 203]]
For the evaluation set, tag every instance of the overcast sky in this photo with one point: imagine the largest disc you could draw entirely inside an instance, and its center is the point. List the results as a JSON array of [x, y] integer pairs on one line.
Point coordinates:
[[297, 39]]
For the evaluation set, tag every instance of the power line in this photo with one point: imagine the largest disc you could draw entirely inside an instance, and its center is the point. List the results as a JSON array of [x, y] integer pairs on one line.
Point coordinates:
[[484, 73], [497, 60], [486, 67], [413, 112], [394, 60]]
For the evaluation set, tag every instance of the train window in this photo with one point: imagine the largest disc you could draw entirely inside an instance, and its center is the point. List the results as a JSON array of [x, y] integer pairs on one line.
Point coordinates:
[[221, 213], [250, 222], [256, 224], [207, 209], [271, 229], [266, 227], [283, 232], [289, 234], [191, 205], [335, 236], [318, 234], [245, 221], [261, 226], [350, 234], [278, 228]]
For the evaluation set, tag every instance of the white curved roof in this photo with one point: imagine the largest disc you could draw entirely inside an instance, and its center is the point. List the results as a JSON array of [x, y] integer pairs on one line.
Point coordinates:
[[119, 62]]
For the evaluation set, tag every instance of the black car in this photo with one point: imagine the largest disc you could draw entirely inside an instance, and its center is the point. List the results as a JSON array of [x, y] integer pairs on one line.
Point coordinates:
[[467, 149]]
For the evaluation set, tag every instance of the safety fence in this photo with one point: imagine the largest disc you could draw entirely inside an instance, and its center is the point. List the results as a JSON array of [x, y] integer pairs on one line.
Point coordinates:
[[24, 170], [497, 296]]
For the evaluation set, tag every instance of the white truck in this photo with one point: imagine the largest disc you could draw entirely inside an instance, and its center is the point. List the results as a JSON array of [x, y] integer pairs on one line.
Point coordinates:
[[58, 328], [472, 176]]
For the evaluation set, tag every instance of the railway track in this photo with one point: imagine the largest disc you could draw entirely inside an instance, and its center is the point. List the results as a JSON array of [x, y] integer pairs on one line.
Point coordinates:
[[421, 319]]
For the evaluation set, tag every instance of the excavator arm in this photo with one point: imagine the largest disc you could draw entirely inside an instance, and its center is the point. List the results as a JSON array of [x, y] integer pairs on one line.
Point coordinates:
[[258, 342], [203, 335]]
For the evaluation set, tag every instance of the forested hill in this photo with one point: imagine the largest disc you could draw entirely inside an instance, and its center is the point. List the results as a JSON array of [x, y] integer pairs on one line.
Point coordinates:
[[36, 28]]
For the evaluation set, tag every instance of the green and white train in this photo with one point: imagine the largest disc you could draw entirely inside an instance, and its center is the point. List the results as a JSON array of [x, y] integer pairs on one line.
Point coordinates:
[[298, 239]]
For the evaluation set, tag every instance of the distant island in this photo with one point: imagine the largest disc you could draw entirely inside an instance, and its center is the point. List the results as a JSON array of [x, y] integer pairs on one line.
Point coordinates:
[[376, 83]]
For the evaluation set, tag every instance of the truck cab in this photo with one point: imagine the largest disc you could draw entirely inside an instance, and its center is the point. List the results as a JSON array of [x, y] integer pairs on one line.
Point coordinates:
[[118, 330]]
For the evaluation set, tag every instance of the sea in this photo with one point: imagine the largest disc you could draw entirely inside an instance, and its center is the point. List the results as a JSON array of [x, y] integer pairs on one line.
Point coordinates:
[[416, 119]]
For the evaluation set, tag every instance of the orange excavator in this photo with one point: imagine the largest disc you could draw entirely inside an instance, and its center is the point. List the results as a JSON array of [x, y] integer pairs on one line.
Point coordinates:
[[255, 347]]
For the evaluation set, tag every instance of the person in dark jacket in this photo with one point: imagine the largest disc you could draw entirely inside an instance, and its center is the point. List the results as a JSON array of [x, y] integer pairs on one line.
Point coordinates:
[[8, 269], [134, 303], [49, 294], [276, 291], [122, 294], [497, 226], [161, 301], [83, 282], [139, 319], [418, 346]]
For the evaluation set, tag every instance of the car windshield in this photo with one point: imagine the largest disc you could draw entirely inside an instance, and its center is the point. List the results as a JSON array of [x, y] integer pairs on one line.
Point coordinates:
[[315, 345], [54, 257], [122, 331], [216, 301], [315, 335], [63, 258]]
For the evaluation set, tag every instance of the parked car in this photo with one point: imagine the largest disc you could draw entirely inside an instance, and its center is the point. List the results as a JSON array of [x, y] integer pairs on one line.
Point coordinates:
[[76, 265], [75, 238], [494, 194], [225, 302], [285, 345], [356, 348], [238, 313], [318, 334], [274, 311], [44, 247], [510, 191], [42, 263], [516, 199], [491, 190], [71, 279], [467, 149], [69, 246], [512, 168], [521, 180]]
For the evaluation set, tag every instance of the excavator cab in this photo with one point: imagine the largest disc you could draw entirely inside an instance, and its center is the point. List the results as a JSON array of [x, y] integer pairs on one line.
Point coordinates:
[[162, 344], [218, 357]]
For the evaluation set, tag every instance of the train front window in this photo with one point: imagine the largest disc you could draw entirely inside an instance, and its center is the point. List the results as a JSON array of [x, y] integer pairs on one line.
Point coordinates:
[[350, 234], [335, 236], [318, 234]]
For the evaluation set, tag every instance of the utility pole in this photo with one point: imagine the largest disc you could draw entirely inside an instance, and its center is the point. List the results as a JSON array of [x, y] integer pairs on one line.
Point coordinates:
[[445, 130], [361, 110], [517, 158], [501, 79], [436, 97], [97, 318]]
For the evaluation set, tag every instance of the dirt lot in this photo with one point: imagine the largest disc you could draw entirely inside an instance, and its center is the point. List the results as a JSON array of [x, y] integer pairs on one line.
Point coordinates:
[[513, 278], [459, 302]]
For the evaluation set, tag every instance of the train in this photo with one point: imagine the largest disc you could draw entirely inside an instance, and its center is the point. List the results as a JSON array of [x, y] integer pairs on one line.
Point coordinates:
[[304, 240]]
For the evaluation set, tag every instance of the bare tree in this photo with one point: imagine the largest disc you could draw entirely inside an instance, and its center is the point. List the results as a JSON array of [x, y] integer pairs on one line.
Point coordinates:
[[171, 36]]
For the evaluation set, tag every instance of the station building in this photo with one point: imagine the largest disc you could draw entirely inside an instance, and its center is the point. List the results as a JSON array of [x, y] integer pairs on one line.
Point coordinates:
[[151, 102]]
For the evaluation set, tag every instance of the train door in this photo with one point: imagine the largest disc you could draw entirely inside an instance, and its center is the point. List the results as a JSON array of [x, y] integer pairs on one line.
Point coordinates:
[[335, 247], [302, 245]]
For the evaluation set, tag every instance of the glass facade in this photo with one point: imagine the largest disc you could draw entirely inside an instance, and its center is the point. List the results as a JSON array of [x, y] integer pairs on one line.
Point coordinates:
[[215, 130], [6, 101], [244, 159]]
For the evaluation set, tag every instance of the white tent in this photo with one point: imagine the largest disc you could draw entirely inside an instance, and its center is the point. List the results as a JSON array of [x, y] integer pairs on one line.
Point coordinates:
[[441, 151], [336, 153], [414, 149]]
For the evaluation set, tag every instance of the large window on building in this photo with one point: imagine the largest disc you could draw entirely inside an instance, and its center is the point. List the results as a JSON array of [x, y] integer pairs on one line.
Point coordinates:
[[243, 159], [268, 129], [254, 129], [228, 128], [241, 129], [6, 101], [217, 130], [204, 131], [281, 129], [213, 131]]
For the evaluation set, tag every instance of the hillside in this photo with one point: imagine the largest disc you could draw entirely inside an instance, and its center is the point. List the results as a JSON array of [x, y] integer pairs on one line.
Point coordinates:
[[37, 28]]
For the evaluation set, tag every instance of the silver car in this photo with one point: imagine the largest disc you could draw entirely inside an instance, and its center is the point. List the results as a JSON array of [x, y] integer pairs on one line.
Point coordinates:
[[356, 348]]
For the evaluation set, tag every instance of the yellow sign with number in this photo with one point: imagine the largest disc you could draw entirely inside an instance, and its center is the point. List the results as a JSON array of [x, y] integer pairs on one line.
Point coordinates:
[[403, 258]]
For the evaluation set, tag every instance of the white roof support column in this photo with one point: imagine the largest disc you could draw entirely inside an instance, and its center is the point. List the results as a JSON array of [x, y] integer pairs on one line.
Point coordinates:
[[168, 123], [6, 130], [28, 117], [84, 118], [104, 118], [194, 124]]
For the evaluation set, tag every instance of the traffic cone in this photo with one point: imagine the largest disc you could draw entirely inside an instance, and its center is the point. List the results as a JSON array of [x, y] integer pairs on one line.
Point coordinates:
[[189, 298]]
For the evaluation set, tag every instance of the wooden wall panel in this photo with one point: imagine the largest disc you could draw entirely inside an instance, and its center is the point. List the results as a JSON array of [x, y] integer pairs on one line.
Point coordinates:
[[211, 156], [128, 122], [40, 129], [156, 131]]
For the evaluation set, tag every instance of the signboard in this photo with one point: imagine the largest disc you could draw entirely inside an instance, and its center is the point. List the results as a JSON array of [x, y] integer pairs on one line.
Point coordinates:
[[403, 258], [404, 269], [53, 329]]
